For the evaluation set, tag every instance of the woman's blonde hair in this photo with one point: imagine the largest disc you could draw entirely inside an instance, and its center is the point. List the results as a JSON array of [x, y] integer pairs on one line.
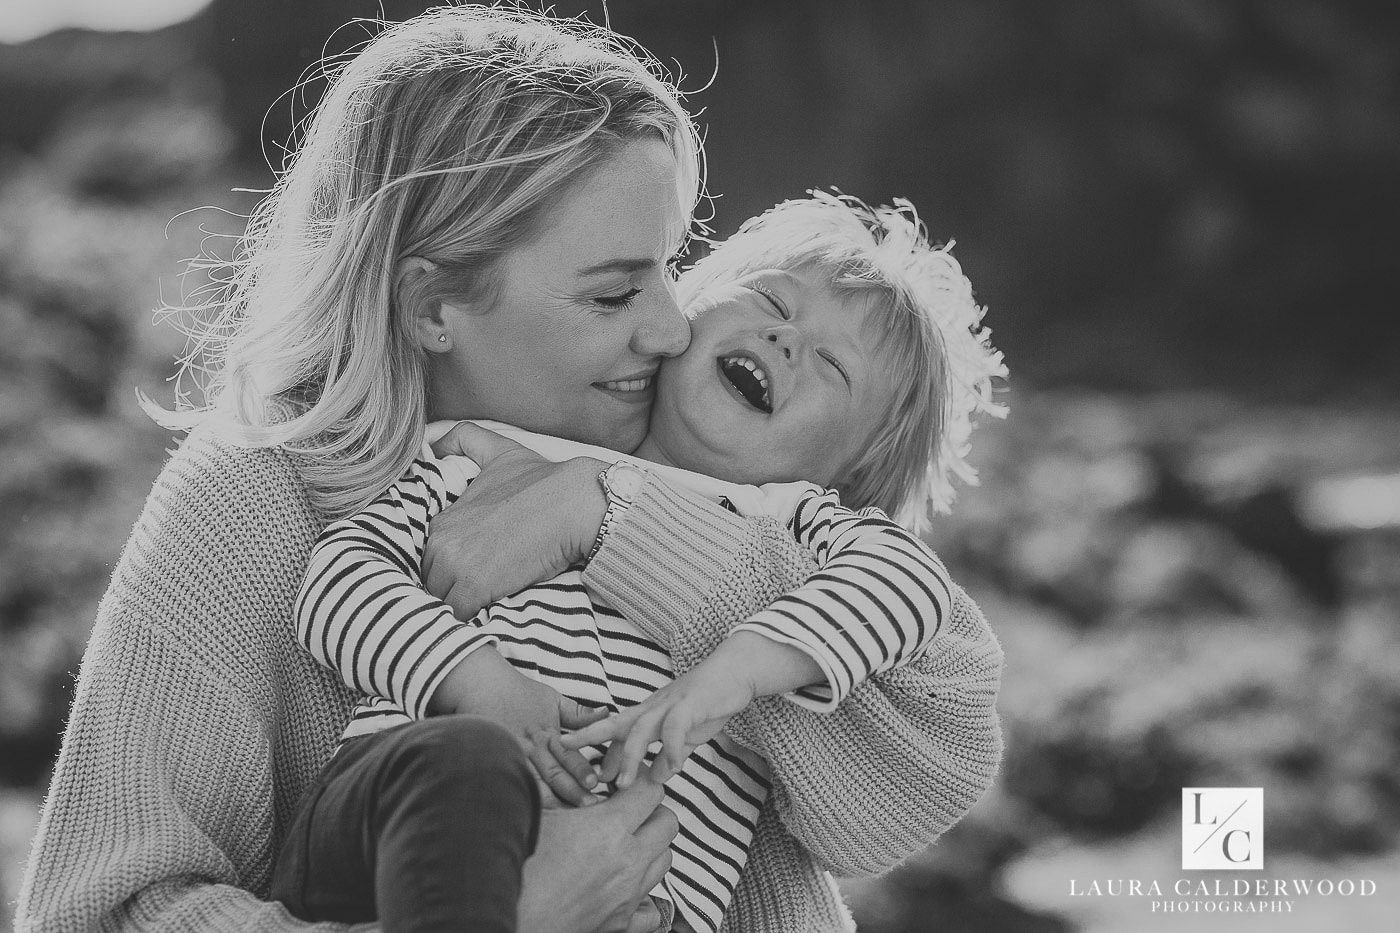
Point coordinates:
[[943, 365], [446, 137]]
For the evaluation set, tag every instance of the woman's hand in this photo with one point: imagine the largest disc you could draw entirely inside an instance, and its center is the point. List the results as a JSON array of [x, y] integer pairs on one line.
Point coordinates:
[[522, 521], [593, 866]]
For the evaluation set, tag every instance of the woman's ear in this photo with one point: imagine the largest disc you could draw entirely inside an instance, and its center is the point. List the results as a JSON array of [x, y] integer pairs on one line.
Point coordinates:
[[435, 320], [414, 295]]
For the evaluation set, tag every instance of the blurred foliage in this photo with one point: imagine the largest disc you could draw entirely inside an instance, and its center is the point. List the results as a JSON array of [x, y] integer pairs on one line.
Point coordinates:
[[83, 255], [1153, 195]]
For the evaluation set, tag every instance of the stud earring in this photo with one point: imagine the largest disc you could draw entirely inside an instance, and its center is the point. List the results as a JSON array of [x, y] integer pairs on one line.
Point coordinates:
[[442, 338]]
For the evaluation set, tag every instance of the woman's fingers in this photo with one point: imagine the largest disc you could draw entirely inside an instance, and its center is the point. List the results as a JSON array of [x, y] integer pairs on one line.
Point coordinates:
[[521, 521], [470, 440], [548, 799], [657, 869], [654, 835], [636, 804], [575, 764], [464, 598], [575, 716], [556, 777]]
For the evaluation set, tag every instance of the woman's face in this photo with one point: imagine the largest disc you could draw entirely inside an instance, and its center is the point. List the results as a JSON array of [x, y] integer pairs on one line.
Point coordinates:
[[583, 313]]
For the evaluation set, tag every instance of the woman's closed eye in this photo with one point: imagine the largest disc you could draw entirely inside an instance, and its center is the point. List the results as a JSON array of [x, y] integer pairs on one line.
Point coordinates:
[[619, 301]]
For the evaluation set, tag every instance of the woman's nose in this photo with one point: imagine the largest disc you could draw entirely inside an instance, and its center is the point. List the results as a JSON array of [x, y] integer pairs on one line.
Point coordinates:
[[664, 331]]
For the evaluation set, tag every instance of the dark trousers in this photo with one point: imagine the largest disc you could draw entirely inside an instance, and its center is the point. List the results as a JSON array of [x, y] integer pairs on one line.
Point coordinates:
[[423, 827]]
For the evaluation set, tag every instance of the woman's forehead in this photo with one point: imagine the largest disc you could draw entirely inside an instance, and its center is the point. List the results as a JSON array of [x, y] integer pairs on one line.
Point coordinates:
[[625, 211]]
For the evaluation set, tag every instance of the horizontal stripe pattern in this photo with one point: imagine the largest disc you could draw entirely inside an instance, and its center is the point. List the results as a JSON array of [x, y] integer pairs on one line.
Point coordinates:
[[363, 612], [877, 601]]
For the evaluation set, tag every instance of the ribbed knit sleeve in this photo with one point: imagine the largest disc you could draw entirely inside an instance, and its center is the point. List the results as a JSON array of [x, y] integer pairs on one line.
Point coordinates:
[[895, 765], [900, 761], [197, 722], [781, 890], [662, 557]]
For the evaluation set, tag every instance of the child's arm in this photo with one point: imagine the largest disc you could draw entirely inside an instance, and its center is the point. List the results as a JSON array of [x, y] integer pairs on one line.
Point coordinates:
[[877, 600], [837, 787], [806, 644], [693, 709], [362, 611]]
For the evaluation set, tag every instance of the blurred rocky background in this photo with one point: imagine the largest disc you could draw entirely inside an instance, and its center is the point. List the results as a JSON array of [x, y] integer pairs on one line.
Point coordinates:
[[1179, 213]]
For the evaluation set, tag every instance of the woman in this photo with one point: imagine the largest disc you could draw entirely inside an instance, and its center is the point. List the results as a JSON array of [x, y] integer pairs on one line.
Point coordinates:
[[198, 724]]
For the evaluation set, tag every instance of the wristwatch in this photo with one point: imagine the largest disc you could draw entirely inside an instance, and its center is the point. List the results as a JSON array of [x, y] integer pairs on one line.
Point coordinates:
[[621, 482]]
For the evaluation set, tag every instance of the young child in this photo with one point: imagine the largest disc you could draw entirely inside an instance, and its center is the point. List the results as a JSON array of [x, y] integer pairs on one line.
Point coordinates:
[[830, 345]]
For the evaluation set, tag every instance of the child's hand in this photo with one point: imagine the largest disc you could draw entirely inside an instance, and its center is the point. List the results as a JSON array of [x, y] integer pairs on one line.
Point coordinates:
[[682, 715], [485, 684]]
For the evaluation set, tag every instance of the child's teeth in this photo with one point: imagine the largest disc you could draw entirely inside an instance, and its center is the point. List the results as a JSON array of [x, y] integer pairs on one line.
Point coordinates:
[[752, 367], [755, 384]]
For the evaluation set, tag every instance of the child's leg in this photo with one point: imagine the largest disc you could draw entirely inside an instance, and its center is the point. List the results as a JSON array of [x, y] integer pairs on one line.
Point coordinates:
[[422, 827]]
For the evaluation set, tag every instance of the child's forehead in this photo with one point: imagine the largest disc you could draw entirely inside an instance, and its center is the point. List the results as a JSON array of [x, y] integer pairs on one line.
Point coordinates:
[[798, 273]]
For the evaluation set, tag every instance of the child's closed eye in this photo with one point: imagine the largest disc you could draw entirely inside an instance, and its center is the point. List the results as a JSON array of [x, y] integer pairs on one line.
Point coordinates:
[[772, 298], [836, 364]]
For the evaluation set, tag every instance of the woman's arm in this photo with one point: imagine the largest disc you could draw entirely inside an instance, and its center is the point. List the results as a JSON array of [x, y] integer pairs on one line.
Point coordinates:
[[199, 723], [900, 761], [153, 821], [187, 746]]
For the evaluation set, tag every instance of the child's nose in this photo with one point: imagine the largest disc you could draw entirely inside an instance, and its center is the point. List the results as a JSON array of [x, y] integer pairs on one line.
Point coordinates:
[[783, 344]]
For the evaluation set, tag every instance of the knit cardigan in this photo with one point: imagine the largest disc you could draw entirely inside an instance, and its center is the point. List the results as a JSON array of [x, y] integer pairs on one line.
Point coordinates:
[[198, 721], [856, 790]]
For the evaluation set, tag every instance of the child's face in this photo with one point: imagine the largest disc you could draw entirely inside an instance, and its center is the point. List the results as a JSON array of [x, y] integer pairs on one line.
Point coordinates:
[[782, 381]]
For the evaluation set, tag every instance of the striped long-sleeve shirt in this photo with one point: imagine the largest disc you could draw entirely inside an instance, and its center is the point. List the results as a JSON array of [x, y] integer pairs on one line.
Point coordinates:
[[878, 599]]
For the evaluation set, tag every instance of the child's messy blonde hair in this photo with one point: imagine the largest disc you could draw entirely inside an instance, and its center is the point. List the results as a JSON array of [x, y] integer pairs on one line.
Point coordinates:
[[943, 364], [447, 137]]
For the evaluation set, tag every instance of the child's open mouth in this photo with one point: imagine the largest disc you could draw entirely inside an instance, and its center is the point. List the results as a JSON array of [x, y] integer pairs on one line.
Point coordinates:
[[748, 379]]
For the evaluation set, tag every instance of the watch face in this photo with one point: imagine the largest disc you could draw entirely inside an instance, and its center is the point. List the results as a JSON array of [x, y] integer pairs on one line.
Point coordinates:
[[624, 481]]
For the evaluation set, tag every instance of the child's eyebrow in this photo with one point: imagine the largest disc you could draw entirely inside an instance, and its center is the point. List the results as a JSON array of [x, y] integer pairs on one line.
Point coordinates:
[[784, 274]]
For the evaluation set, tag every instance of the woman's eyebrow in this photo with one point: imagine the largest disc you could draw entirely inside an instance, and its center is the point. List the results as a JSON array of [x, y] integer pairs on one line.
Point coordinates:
[[617, 265]]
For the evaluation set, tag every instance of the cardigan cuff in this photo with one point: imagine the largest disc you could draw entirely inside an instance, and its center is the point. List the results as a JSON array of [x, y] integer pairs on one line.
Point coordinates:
[[660, 559]]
